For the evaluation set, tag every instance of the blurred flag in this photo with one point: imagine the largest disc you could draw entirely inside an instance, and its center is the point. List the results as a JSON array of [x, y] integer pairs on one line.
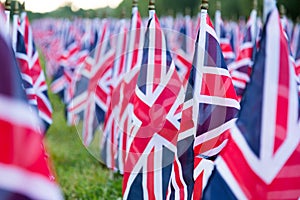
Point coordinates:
[[68, 62], [240, 70], [93, 87], [209, 110], [297, 53], [25, 69], [261, 159], [235, 35], [156, 114], [287, 24], [222, 35], [24, 169], [297, 68], [295, 44], [122, 95], [183, 50], [110, 136], [32, 72], [123, 113], [47, 34]]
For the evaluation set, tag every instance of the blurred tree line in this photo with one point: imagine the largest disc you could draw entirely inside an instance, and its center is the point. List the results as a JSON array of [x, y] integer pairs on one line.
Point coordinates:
[[231, 9]]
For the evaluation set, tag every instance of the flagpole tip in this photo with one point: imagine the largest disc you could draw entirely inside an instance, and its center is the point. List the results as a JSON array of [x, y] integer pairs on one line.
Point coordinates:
[[282, 10], [187, 11], [134, 3], [255, 4], [123, 13], [170, 12], [104, 14], [16, 7], [218, 5], [7, 4], [151, 5], [204, 5]]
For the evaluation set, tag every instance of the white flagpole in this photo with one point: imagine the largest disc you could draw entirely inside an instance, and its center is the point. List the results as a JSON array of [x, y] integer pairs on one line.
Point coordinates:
[[151, 8], [23, 12], [217, 19], [202, 36], [15, 25], [132, 35], [254, 18], [255, 31], [7, 14]]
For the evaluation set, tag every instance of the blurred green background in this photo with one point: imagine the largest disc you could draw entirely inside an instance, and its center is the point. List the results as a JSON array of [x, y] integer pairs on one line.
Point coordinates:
[[231, 9]]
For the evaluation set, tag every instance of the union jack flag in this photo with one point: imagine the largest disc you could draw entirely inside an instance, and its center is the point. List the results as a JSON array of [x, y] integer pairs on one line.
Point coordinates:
[[156, 114], [25, 70], [71, 59], [73, 54], [297, 56], [235, 35], [295, 39], [123, 116], [32, 72], [37, 74], [222, 34], [47, 34], [109, 147], [182, 53], [209, 110], [265, 142], [22, 57], [24, 171], [136, 41], [92, 95], [122, 95], [240, 70]]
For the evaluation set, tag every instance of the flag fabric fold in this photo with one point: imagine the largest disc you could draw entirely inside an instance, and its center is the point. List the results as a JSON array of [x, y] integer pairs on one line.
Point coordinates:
[[121, 102], [29, 176], [241, 68], [265, 143], [92, 94], [110, 137], [183, 49], [224, 39], [32, 73], [156, 111], [209, 110]]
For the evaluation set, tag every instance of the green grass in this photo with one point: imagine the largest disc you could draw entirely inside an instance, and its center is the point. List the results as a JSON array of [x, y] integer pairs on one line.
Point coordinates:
[[78, 172], [80, 175]]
